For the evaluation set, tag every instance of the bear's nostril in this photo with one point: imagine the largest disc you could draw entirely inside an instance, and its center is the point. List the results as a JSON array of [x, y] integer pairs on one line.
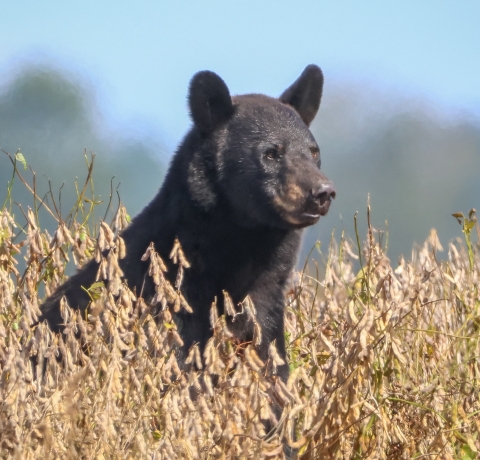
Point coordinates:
[[323, 193]]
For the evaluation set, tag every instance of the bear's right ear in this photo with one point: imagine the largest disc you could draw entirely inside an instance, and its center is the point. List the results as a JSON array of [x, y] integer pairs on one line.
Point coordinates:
[[209, 100], [305, 93]]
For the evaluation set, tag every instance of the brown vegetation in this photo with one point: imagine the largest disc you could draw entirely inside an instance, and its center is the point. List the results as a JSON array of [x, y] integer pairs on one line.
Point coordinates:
[[384, 361]]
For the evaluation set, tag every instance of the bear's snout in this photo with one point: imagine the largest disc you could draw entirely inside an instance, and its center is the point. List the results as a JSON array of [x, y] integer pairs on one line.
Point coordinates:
[[321, 196]]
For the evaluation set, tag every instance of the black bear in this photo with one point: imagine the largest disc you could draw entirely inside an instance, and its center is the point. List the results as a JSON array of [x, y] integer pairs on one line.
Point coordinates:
[[241, 187]]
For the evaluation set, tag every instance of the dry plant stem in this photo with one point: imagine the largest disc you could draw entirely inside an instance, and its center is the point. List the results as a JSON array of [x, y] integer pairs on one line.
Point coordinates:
[[32, 191], [81, 195], [384, 363]]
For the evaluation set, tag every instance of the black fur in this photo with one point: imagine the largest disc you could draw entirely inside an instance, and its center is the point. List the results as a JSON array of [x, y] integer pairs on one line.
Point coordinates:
[[243, 183]]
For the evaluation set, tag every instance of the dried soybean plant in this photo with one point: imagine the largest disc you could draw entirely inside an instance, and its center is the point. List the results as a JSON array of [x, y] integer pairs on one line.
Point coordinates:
[[384, 360], [392, 355]]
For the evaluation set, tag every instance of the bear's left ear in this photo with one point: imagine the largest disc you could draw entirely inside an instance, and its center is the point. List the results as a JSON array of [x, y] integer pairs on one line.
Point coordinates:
[[305, 94], [209, 100]]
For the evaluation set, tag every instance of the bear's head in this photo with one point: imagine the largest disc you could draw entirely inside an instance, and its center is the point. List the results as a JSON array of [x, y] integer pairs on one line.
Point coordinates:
[[256, 155]]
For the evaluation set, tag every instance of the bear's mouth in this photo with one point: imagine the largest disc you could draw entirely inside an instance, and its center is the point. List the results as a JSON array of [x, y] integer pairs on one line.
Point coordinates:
[[305, 212], [314, 209], [301, 218], [310, 218]]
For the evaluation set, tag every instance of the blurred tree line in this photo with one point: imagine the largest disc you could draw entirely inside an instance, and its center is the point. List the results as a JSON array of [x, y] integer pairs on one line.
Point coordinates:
[[54, 120], [419, 163]]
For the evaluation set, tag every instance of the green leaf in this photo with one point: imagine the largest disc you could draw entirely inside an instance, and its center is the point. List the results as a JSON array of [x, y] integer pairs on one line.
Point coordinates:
[[98, 284], [129, 219], [469, 225], [467, 453], [19, 157], [15, 326], [95, 290], [82, 235]]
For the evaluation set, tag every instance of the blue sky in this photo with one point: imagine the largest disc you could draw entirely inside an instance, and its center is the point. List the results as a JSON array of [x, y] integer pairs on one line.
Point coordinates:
[[139, 56]]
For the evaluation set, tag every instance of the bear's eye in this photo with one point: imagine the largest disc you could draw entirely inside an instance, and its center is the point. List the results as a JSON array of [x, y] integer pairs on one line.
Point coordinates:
[[315, 153], [271, 153]]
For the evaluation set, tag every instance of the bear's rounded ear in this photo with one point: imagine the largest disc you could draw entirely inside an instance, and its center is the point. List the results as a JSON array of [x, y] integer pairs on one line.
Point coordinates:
[[209, 100], [305, 93]]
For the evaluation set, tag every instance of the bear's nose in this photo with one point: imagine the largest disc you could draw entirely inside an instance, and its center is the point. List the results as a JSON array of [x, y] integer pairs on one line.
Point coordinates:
[[323, 192]]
